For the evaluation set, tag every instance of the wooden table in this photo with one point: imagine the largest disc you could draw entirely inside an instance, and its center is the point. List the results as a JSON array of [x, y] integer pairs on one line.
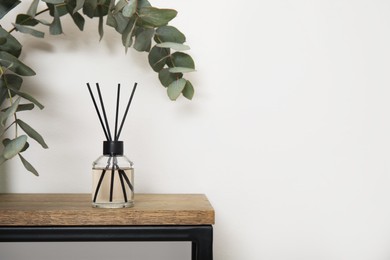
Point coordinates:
[[70, 217]]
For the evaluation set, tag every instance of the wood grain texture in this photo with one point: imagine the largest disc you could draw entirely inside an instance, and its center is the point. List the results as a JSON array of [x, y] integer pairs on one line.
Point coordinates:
[[76, 210]]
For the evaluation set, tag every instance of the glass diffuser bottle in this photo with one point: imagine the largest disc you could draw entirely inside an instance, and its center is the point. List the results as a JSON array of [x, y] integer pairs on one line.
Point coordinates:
[[113, 172], [112, 178]]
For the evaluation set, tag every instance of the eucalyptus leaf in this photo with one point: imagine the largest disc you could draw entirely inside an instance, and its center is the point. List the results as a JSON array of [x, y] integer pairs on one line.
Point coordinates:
[[96, 8], [32, 133], [55, 26], [32, 10], [62, 9], [127, 35], [143, 40], [166, 77], [3, 91], [158, 57], [17, 66], [26, 146], [175, 88], [25, 107], [188, 91], [9, 111], [14, 147], [8, 81], [181, 59], [3, 40], [7, 5], [181, 70], [28, 97], [119, 6], [11, 45], [130, 8], [28, 166], [143, 3], [173, 45], [89, 8], [54, 2], [79, 20], [156, 17], [28, 30], [24, 19], [101, 30], [79, 6], [169, 34], [118, 21]]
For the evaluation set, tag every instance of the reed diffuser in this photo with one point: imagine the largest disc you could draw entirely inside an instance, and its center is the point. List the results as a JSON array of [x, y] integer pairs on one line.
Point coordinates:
[[112, 172]]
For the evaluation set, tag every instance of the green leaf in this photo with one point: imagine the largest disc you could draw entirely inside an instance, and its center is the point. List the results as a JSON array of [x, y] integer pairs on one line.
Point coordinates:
[[3, 91], [156, 17], [55, 26], [26, 146], [118, 21], [173, 45], [8, 81], [175, 88], [180, 70], [158, 57], [96, 8], [25, 107], [143, 3], [119, 6], [17, 66], [127, 35], [2, 159], [188, 91], [143, 40], [62, 9], [28, 97], [32, 133], [24, 19], [167, 78], [9, 112], [14, 147], [79, 5], [7, 5], [130, 8], [28, 166], [32, 10], [11, 45], [79, 20], [169, 34], [101, 30], [180, 59], [28, 30], [54, 2], [90, 8], [3, 40]]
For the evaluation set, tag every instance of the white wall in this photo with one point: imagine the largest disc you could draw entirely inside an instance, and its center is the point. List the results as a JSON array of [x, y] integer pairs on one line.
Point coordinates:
[[288, 134]]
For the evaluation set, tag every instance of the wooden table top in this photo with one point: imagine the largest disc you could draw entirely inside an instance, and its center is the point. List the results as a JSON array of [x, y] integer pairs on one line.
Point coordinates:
[[76, 210]]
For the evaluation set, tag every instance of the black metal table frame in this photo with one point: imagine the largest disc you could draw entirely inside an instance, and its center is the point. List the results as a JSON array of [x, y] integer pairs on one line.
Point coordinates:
[[201, 236]]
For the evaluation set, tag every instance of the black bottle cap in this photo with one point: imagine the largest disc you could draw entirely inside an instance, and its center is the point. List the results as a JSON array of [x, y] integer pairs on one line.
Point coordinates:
[[113, 148]]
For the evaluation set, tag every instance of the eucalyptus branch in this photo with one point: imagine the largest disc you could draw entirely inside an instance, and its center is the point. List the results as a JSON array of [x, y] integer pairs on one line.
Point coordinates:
[[29, 19], [142, 26]]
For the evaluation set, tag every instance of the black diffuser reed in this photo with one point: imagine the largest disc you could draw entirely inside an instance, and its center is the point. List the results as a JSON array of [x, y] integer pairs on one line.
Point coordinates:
[[112, 149]]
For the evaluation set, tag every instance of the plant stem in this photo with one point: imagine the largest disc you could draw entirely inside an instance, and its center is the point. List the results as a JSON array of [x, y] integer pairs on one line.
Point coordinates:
[[5, 130], [15, 116]]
